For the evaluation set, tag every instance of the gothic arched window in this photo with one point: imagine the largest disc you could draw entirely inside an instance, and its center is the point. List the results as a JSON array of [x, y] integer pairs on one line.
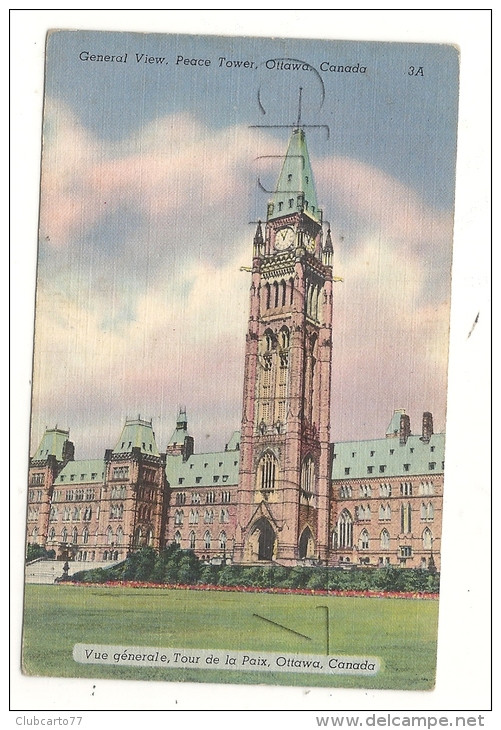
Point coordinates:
[[284, 338], [207, 540], [308, 477], [192, 540], [384, 540], [345, 530], [427, 539], [267, 473], [363, 540]]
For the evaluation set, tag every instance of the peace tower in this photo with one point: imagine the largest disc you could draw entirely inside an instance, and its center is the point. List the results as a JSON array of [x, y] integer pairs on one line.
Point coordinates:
[[283, 493]]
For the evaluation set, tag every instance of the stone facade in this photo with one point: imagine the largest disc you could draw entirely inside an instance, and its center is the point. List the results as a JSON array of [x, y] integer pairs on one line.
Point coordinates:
[[280, 491]]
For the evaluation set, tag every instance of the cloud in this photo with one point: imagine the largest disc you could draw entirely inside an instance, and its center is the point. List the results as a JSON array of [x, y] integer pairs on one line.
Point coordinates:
[[141, 305]]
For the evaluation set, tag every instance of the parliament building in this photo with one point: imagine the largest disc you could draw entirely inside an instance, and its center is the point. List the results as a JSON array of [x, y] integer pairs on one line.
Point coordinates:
[[281, 491]]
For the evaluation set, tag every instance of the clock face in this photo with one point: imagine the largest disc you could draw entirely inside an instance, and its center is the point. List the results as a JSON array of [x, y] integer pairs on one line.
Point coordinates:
[[285, 238]]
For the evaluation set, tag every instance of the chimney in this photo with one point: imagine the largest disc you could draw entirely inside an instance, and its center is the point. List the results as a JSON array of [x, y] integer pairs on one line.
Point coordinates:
[[427, 426], [405, 428]]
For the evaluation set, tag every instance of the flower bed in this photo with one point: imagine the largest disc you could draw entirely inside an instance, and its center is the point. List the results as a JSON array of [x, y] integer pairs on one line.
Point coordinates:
[[256, 589]]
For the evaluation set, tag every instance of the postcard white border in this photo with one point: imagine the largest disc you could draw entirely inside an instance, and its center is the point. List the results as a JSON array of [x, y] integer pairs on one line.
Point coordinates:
[[463, 681]]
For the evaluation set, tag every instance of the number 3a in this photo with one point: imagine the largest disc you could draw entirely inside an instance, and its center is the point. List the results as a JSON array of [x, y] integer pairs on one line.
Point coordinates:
[[413, 71]]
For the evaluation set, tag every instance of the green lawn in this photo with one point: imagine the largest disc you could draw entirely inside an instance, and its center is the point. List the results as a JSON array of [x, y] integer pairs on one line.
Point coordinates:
[[402, 633]]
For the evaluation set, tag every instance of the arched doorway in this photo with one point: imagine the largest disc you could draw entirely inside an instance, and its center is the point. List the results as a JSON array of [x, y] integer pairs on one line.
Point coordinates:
[[261, 545], [306, 544]]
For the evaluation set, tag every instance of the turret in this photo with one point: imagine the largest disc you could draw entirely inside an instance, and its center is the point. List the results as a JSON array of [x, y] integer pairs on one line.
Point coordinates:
[[181, 443]]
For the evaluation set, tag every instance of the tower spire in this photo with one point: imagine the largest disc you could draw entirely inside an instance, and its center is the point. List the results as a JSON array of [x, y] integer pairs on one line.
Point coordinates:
[[295, 190], [299, 108], [258, 240]]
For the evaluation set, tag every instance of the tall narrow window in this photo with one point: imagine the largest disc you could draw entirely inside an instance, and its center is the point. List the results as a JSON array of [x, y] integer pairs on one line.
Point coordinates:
[[267, 294], [427, 539], [308, 477], [267, 474], [345, 530], [283, 289], [405, 518], [363, 540], [192, 540], [384, 540]]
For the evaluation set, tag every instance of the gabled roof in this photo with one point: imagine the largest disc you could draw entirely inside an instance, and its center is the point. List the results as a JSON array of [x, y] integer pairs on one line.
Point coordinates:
[[295, 180], [137, 434], [52, 444], [386, 457], [88, 471]]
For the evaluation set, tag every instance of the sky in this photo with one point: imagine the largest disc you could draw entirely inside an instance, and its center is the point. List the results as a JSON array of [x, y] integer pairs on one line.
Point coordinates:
[[153, 176]]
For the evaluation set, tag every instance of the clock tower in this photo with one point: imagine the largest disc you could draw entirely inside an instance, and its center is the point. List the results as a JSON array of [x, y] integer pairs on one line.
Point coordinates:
[[285, 444]]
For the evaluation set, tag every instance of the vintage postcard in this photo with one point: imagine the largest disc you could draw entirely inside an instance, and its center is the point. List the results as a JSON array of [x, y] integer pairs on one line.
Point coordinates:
[[241, 345]]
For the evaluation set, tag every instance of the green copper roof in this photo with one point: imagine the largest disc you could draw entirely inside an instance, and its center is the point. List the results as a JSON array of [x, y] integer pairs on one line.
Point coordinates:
[[203, 470], [386, 457], [137, 434], [295, 188], [82, 472], [52, 444], [394, 425], [234, 443]]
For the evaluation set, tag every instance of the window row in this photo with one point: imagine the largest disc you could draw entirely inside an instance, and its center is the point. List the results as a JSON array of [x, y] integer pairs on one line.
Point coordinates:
[[385, 490], [144, 513], [343, 535], [83, 477], [120, 472], [277, 294], [119, 492], [194, 517], [207, 497], [198, 479], [207, 540], [74, 514], [363, 513], [116, 511], [35, 495], [37, 478], [76, 495], [344, 539], [75, 538]]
